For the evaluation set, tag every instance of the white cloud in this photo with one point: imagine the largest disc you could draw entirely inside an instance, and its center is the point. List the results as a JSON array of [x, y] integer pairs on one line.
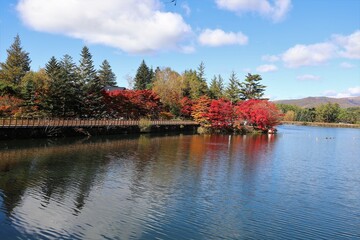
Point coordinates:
[[267, 68], [346, 65], [134, 26], [350, 92], [309, 77], [315, 54], [349, 45], [270, 58], [276, 11], [218, 37], [308, 55]]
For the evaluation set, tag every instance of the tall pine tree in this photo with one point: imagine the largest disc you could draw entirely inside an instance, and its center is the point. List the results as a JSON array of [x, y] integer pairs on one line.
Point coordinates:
[[216, 90], [69, 79], [251, 87], [54, 96], [143, 77], [15, 67], [232, 91], [194, 84], [91, 97], [62, 99], [202, 85], [106, 75]]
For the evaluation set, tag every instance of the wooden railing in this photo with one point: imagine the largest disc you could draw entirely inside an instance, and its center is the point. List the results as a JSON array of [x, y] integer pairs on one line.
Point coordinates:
[[43, 122]]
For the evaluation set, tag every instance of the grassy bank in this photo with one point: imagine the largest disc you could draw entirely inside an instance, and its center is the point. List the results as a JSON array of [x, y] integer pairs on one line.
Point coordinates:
[[322, 124]]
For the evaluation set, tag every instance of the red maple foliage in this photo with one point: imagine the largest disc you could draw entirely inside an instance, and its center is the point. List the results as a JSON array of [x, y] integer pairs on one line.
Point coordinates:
[[261, 114], [186, 107], [220, 114], [133, 104]]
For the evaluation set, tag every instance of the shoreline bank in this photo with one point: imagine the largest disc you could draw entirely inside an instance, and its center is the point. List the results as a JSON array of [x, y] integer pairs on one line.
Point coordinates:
[[321, 124]]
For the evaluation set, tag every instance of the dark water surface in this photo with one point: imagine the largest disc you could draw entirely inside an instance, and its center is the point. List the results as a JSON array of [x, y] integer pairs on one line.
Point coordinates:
[[303, 183]]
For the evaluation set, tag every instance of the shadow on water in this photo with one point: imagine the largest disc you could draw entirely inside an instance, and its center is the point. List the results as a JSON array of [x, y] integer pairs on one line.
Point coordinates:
[[158, 186]]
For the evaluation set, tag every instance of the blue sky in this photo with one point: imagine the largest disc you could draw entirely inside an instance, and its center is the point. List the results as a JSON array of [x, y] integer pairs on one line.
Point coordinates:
[[300, 47]]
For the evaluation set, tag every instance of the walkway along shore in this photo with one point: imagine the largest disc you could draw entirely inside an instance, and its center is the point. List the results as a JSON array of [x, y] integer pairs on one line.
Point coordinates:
[[40, 128]]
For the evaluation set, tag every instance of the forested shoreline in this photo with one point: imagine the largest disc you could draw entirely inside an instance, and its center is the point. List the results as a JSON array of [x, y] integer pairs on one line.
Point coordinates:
[[65, 89], [326, 113]]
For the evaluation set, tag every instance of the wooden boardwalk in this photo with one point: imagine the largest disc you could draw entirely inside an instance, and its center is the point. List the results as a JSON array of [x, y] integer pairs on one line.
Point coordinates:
[[43, 122]]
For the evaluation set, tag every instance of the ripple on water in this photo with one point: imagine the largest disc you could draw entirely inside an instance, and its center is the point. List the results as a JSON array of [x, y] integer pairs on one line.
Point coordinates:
[[188, 187]]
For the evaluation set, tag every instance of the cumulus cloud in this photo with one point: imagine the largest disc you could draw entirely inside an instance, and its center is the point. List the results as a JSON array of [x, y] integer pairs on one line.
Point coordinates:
[[349, 45], [276, 11], [134, 26], [267, 68], [315, 54], [350, 92], [308, 77], [308, 55], [218, 37]]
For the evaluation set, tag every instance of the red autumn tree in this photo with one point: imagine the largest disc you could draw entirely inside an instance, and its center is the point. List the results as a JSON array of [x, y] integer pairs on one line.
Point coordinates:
[[144, 103], [186, 107], [117, 104], [220, 114], [133, 104], [261, 114]]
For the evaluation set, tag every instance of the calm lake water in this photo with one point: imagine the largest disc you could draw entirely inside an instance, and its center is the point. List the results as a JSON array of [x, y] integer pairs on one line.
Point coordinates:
[[303, 183]]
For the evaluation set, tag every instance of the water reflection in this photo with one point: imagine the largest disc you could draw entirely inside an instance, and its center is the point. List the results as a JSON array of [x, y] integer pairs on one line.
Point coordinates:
[[146, 187]]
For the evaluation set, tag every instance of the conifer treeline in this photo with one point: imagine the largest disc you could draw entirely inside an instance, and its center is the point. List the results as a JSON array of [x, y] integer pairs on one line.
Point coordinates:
[[63, 88]]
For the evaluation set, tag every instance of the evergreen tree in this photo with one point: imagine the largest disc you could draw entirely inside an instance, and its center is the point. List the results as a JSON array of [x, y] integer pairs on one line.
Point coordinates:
[[187, 77], [69, 79], [63, 98], [53, 99], [52, 68], [193, 84], [251, 88], [143, 77], [86, 69], [28, 93], [201, 72], [216, 90], [91, 97], [106, 75], [152, 78], [202, 85], [94, 102], [232, 91], [16, 65]]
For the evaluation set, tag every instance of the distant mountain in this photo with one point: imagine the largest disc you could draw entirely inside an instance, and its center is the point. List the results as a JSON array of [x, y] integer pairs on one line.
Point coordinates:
[[310, 102]]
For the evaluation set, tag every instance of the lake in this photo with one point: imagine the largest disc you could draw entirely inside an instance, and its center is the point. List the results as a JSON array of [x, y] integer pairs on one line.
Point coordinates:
[[303, 183]]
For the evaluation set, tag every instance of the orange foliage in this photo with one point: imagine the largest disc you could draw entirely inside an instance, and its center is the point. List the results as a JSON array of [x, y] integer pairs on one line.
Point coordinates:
[[199, 110], [9, 106]]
